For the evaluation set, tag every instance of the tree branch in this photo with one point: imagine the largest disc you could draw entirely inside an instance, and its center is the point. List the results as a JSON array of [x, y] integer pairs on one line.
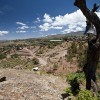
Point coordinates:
[[90, 15], [95, 7]]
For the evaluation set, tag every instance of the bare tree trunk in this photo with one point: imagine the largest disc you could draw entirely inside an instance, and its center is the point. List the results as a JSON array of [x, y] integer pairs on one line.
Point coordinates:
[[91, 62], [93, 51]]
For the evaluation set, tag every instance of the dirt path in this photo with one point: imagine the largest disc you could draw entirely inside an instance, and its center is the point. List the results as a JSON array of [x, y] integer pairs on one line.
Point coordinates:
[[42, 61], [27, 85]]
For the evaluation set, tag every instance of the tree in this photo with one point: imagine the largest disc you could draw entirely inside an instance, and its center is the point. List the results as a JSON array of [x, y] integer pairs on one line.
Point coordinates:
[[93, 51]]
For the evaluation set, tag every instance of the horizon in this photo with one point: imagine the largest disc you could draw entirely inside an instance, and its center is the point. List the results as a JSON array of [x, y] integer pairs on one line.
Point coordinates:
[[23, 19]]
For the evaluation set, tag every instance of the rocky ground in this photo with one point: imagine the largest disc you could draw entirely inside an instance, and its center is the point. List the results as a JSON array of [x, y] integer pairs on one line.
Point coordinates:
[[28, 85]]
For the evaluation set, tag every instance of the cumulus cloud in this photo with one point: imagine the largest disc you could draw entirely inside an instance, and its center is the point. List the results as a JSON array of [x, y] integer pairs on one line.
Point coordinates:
[[23, 25], [72, 22], [76, 29], [47, 18], [3, 33], [47, 26], [75, 18], [21, 31]]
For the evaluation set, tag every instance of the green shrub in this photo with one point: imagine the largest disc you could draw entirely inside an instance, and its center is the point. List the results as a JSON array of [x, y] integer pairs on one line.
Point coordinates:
[[74, 86], [69, 58], [14, 56], [51, 44], [73, 48], [68, 91], [80, 77], [11, 62], [2, 56], [78, 51], [74, 80], [35, 61], [98, 65], [55, 66], [86, 95], [81, 46], [71, 52], [40, 52], [81, 58]]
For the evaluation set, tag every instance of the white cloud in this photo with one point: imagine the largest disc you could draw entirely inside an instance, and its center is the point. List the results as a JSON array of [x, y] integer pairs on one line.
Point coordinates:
[[38, 19], [20, 23], [47, 26], [21, 31], [72, 22], [76, 29], [23, 26], [72, 18], [56, 27], [98, 13], [47, 18], [3, 33], [44, 27]]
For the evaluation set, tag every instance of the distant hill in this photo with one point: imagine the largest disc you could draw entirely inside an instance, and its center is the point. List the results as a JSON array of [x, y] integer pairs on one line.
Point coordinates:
[[65, 35], [57, 36]]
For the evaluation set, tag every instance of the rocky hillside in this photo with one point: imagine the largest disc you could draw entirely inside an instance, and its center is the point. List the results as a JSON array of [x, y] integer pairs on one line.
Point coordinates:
[[28, 85]]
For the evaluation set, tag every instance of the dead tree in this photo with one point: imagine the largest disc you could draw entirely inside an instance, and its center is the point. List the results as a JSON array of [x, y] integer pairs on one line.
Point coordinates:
[[93, 51]]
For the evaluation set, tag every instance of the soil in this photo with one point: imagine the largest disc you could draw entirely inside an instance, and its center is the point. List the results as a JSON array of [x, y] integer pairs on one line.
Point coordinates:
[[29, 85]]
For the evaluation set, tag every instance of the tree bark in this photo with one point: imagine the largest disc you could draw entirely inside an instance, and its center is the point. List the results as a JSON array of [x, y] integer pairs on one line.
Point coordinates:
[[93, 51], [90, 67]]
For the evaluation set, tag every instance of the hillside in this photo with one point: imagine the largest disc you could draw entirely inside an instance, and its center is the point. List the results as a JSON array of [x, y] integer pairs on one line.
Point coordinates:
[[27, 85], [57, 62]]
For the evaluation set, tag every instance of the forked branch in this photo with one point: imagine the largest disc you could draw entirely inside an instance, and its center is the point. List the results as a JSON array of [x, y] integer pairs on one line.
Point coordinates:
[[90, 15]]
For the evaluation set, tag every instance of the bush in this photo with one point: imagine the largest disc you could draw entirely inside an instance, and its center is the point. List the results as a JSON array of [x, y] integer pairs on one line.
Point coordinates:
[[2, 56], [55, 66], [72, 51], [35, 61], [40, 52], [98, 65], [86, 95], [73, 48], [78, 51], [81, 58], [14, 56], [80, 77], [74, 80], [51, 44], [74, 89], [74, 86], [68, 91]]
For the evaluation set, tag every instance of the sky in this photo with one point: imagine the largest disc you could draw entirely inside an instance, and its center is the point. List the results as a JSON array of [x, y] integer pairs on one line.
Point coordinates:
[[21, 19]]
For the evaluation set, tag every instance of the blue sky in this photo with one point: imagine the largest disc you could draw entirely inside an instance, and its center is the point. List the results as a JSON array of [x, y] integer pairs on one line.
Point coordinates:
[[37, 18]]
